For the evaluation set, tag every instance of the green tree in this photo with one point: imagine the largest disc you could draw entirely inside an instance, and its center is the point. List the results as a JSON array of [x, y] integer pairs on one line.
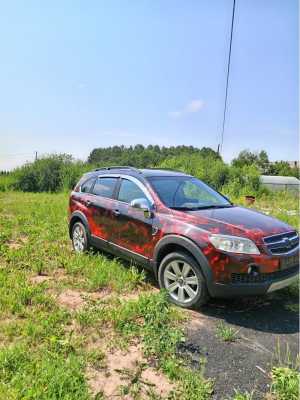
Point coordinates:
[[283, 168], [247, 158], [51, 173], [212, 171], [263, 162]]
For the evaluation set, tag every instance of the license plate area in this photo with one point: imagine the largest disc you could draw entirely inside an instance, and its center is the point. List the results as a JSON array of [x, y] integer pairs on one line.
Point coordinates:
[[288, 262]]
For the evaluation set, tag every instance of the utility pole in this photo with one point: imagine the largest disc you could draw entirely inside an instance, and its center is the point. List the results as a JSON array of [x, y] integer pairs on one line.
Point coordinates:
[[36, 156], [220, 148]]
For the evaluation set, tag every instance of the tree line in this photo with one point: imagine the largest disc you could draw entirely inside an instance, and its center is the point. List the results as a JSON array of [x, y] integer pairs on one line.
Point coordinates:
[[58, 172], [141, 156]]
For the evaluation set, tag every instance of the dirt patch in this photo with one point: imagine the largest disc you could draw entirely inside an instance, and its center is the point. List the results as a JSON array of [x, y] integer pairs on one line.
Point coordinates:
[[15, 244], [96, 342], [107, 293], [39, 279], [59, 274], [100, 294], [127, 371], [74, 299], [161, 385], [130, 296], [71, 299]]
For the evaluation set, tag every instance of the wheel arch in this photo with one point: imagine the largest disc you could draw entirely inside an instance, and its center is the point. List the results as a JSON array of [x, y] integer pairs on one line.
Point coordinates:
[[171, 243], [78, 216]]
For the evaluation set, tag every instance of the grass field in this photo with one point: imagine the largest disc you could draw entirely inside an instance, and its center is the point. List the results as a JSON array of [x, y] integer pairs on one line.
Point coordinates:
[[69, 322]]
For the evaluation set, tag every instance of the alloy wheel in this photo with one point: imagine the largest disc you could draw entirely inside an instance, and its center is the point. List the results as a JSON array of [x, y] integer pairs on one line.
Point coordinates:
[[79, 239], [181, 281]]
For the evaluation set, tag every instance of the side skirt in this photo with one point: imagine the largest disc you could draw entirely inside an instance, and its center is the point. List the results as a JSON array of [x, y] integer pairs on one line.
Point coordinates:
[[121, 252]]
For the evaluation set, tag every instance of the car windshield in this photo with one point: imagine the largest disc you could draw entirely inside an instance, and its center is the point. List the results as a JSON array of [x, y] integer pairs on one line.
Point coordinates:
[[188, 193]]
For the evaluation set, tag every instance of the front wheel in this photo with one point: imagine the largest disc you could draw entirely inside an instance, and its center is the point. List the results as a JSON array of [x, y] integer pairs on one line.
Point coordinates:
[[180, 275]]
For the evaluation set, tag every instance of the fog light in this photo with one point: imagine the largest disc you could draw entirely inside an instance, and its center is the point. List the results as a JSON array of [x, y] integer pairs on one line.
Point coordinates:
[[253, 270]]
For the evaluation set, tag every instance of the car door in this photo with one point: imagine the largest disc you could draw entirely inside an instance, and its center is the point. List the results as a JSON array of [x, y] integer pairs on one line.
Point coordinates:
[[102, 205], [133, 227]]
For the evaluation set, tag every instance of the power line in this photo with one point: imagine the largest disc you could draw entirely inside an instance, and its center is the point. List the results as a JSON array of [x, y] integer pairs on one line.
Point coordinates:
[[220, 147]]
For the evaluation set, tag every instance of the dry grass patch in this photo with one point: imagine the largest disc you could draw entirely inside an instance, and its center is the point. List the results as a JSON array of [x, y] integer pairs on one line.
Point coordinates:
[[37, 279]]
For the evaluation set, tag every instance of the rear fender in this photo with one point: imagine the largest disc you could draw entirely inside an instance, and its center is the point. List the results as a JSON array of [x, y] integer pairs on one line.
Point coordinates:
[[79, 216]]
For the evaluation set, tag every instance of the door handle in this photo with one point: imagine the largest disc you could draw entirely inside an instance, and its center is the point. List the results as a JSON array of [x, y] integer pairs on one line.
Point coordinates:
[[116, 213]]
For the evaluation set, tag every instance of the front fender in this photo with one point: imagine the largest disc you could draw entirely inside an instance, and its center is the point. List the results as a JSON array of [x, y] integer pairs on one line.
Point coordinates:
[[190, 246]]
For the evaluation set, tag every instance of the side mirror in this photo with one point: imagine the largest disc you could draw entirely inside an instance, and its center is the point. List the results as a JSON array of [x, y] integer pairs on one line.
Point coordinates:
[[142, 205]]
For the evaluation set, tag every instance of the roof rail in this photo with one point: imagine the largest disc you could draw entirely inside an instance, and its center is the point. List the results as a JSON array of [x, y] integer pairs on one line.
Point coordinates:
[[118, 167], [166, 169]]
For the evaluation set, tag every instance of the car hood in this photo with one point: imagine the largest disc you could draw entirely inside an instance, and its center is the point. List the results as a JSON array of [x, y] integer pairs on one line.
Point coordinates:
[[238, 221]]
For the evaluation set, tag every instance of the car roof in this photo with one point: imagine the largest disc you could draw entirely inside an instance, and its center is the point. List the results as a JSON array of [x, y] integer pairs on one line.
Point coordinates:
[[144, 172]]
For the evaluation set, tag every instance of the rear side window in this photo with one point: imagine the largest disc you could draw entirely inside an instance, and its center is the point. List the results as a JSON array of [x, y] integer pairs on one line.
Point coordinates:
[[130, 191], [105, 187], [86, 187]]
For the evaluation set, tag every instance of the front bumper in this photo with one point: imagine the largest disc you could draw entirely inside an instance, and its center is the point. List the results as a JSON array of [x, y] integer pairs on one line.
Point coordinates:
[[252, 289]]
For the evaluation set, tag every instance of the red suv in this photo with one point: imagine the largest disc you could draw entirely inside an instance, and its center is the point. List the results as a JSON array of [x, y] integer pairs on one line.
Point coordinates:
[[197, 243]]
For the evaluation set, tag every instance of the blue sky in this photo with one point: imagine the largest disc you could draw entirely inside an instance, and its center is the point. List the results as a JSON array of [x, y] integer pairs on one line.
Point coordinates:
[[77, 75]]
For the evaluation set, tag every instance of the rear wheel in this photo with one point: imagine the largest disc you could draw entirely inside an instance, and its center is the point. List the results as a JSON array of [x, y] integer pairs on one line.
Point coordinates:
[[79, 238], [180, 275]]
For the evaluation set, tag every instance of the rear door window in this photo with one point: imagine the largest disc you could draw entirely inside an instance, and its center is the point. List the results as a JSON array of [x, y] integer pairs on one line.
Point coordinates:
[[105, 187], [86, 187]]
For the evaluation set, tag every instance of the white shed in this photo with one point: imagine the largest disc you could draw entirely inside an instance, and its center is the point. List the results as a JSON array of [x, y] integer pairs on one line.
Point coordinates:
[[280, 182]]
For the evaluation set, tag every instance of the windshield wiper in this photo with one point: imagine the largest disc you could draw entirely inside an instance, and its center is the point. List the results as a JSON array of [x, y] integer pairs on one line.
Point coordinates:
[[183, 208], [212, 206]]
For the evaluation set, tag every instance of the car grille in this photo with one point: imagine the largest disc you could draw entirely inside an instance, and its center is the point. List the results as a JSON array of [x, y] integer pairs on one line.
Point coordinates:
[[261, 278], [282, 243]]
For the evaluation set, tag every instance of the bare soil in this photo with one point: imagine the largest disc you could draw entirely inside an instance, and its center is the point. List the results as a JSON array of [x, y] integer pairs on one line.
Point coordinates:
[[71, 299], [126, 371]]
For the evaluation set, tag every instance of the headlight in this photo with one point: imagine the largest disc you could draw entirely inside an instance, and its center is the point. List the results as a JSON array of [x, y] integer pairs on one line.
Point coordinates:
[[234, 244]]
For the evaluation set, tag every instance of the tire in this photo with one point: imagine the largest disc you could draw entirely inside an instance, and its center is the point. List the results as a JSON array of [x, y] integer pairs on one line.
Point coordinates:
[[181, 276], [79, 238]]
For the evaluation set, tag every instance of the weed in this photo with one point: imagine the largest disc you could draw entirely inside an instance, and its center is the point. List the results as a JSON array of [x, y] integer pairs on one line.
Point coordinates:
[[96, 358], [243, 396], [41, 376], [285, 383], [226, 333]]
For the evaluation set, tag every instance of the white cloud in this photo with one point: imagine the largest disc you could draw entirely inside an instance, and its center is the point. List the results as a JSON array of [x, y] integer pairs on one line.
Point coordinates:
[[192, 107]]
